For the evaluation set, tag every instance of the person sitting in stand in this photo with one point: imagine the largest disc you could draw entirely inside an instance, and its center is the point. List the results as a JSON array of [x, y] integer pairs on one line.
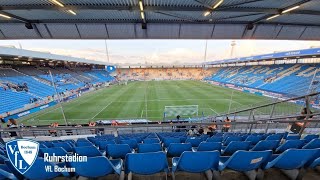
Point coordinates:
[[227, 126], [297, 126], [92, 124], [53, 132], [12, 124]]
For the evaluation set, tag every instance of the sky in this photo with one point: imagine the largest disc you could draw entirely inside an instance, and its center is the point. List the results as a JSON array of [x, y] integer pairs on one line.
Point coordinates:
[[159, 51]]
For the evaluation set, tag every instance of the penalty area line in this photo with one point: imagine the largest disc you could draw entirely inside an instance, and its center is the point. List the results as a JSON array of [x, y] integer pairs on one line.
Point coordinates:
[[101, 110]]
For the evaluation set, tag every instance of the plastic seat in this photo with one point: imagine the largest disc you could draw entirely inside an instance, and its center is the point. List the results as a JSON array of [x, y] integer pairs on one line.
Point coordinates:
[[103, 144], [144, 148], [274, 137], [293, 137], [151, 141], [232, 138], [194, 141], [310, 137], [315, 163], [235, 146], [209, 146], [3, 159], [58, 151], [118, 150], [291, 161], [196, 162], [215, 139], [246, 161], [204, 137], [5, 173], [290, 144], [97, 167], [176, 149], [47, 144], [131, 142], [42, 145], [88, 151], [253, 139], [313, 144], [266, 145], [66, 146], [83, 143], [168, 141], [146, 163]]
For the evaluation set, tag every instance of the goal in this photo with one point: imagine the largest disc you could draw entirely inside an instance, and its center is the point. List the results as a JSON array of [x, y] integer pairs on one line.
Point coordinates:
[[183, 111]]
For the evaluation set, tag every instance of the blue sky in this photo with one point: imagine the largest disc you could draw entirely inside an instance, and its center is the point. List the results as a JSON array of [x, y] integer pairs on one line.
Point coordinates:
[[158, 51]]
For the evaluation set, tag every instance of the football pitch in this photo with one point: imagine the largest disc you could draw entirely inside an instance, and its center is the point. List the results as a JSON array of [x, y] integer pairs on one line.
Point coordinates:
[[146, 100]]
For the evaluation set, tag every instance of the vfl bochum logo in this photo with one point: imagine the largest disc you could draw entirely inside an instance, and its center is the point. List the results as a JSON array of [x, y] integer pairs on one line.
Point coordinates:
[[22, 153]]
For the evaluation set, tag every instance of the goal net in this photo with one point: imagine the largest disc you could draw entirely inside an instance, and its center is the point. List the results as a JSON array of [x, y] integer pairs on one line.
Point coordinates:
[[183, 111]]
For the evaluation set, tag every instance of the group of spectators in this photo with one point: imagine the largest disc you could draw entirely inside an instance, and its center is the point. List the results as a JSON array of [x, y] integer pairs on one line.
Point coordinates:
[[16, 87]]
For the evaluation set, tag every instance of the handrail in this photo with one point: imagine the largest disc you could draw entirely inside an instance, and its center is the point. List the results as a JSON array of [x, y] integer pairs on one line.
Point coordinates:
[[268, 104], [108, 127]]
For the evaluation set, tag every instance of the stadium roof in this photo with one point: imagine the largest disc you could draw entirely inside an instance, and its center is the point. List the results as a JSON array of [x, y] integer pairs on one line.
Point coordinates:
[[8, 53], [273, 56], [160, 19]]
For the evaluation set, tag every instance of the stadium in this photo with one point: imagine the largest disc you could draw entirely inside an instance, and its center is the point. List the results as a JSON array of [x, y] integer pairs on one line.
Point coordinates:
[[140, 89]]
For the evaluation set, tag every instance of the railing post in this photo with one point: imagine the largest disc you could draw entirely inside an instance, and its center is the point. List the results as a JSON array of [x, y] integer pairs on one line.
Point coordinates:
[[271, 114], [234, 120], [307, 116], [250, 114]]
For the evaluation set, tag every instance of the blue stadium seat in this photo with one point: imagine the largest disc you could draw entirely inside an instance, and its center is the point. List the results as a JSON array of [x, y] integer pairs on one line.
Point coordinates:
[[310, 137], [97, 167], [204, 137], [89, 151], [42, 145], [232, 138], [131, 142], [196, 162], [293, 137], [291, 161], [215, 139], [103, 144], [235, 146], [146, 163], [253, 139], [290, 144], [209, 146], [176, 149], [266, 145], [151, 141], [58, 151], [66, 146], [274, 137], [313, 144], [83, 143], [246, 161], [3, 159], [5, 173], [194, 141], [47, 144], [118, 150], [144, 148], [168, 141], [315, 163]]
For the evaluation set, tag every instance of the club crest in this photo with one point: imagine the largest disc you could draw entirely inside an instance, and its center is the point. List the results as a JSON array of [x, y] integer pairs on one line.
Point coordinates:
[[22, 153]]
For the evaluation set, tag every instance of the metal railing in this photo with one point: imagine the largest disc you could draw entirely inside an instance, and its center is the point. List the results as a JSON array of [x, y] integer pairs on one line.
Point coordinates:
[[274, 125], [271, 115]]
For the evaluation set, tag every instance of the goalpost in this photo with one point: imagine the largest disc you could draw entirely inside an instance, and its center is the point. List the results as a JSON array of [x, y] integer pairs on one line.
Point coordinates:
[[183, 111]]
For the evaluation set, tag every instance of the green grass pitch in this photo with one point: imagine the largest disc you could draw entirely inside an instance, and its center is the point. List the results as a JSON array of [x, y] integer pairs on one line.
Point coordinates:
[[146, 100]]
